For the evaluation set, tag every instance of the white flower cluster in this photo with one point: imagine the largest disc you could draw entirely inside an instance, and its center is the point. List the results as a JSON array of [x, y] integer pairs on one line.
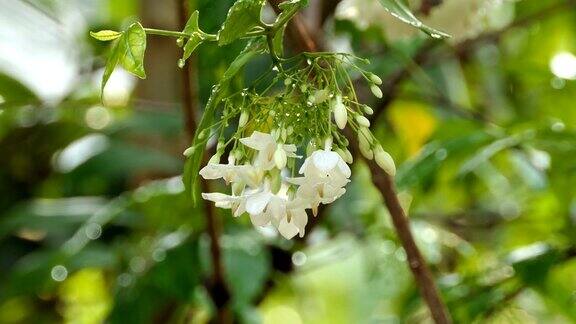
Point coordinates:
[[323, 177]]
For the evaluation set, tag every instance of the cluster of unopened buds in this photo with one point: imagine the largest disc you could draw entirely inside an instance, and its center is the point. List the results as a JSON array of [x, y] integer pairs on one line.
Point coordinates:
[[272, 197]]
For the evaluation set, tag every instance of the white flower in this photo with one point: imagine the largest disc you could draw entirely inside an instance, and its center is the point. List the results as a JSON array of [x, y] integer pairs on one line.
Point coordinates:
[[294, 221], [325, 175], [289, 216], [267, 147]]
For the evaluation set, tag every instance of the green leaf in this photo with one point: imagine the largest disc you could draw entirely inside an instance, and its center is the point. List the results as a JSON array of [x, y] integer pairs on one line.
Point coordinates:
[[399, 10], [192, 165], [128, 50], [106, 35], [195, 39], [243, 16], [133, 45], [111, 64], [192, 24], [191, 45]]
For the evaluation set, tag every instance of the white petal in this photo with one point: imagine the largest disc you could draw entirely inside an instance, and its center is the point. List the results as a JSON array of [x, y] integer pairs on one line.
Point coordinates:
[[304, 166], [277, 207], [297, 181], [258, 141], [325, 160], [259, 219], [221, 200], [286, 229], [211, 171], [299, 219], [344, 168], [255, 204]]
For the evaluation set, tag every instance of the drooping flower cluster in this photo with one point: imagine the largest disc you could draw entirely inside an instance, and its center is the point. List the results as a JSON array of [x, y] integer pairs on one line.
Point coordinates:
[[262, 189], [299, 108]]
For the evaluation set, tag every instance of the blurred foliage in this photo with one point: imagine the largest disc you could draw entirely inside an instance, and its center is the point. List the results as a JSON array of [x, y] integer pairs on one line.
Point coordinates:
[[95, 225]]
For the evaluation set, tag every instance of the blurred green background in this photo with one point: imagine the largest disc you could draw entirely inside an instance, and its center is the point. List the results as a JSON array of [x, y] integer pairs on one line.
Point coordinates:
[[95, 226]]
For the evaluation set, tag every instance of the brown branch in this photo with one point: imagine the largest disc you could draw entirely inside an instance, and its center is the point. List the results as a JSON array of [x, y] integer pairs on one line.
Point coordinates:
[[385, 184], [217, 287], [416, 262]]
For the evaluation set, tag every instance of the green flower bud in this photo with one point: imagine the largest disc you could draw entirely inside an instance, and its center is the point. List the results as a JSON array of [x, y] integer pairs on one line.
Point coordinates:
[[363, 121], [376, 91], [375, 79], [384, 160]]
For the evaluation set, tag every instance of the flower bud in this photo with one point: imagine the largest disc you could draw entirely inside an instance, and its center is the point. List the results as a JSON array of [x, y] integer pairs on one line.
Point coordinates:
[[243, 118], [280, 157], [189, 151], [310, 148], [345, 155], [349, 159], [366, 149], [238, 154], [215, 159], [368, 110], [363, 121], [340, 112], [384, 160], [376, 91], [375, 79], [221, 146], [365, 142]]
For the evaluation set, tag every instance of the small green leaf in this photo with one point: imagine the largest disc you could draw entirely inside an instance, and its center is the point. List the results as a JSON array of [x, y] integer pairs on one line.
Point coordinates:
[[106, 35], [399, 10], [191, 45], [192, 24], [195, 39], [243, 16], [133, 45]]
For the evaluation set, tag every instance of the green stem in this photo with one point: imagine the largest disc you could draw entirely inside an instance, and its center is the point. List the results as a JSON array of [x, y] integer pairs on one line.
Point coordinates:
[[275, 58], [162, 32], [170, 33]]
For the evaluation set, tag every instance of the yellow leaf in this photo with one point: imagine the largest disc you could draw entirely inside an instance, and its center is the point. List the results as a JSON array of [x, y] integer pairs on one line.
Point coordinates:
[[413, 123], [106, 35]]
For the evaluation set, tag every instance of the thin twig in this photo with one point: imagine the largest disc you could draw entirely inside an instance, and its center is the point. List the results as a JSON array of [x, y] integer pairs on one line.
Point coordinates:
[[416, 262], [218, 289]]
